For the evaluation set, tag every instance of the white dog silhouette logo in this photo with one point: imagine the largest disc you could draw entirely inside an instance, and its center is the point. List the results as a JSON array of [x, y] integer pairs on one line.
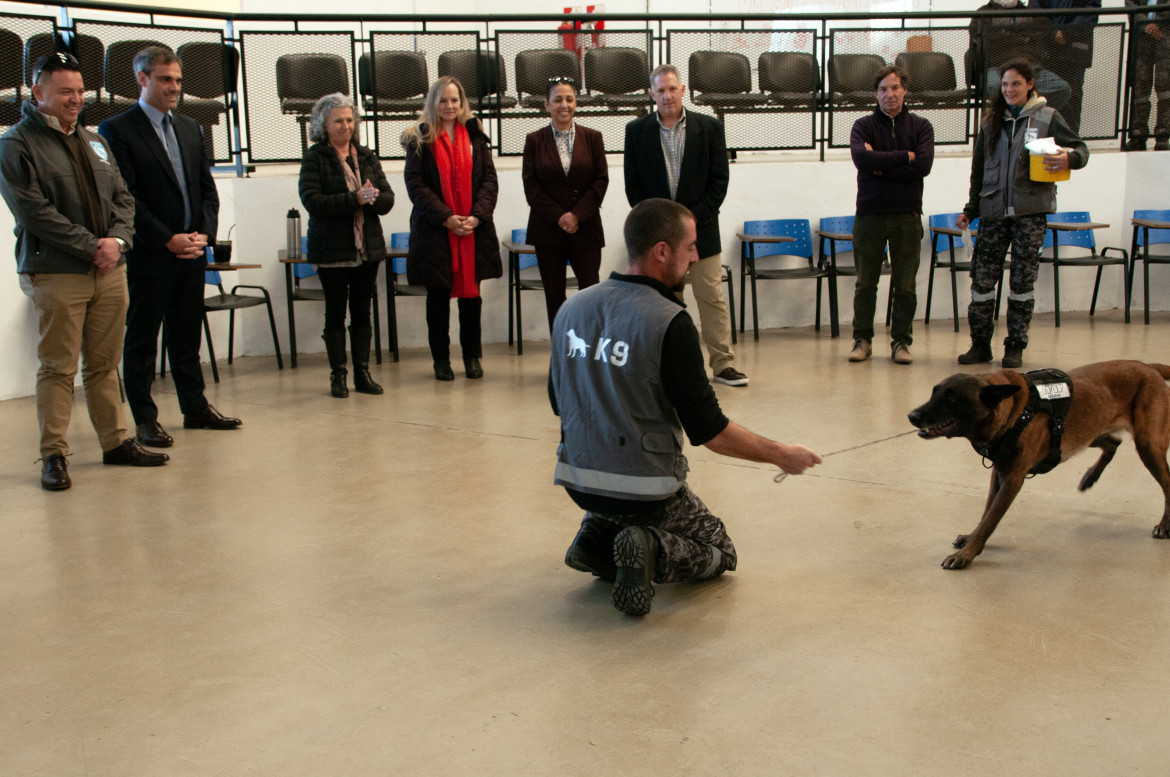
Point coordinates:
[[576, 345]]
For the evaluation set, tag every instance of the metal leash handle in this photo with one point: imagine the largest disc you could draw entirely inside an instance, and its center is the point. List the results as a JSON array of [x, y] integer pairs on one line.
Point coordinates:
[[781, 475]]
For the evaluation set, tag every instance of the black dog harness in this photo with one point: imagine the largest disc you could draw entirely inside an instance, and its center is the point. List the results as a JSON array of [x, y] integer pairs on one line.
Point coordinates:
[[1049, 391]]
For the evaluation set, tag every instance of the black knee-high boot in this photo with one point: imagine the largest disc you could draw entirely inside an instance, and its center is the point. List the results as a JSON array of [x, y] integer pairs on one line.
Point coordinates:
[[470, 336], [335, 348], [359, 347]]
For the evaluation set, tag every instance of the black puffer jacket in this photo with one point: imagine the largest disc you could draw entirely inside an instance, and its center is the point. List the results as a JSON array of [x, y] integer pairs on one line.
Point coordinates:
[[331, 205], [429, 262]]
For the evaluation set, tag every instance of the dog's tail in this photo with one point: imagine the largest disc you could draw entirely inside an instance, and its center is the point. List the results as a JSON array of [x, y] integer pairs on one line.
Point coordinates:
[[1163, 370]]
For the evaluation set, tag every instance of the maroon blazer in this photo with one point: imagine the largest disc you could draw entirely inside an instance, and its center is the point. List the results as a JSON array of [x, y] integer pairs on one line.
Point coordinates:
[[551, 193]]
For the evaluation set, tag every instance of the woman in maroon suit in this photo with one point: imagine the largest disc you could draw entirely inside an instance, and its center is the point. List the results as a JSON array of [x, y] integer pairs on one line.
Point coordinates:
[[565, 178]]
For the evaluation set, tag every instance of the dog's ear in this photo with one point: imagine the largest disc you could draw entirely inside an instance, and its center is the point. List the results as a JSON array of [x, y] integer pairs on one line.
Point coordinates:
[[992, 395]]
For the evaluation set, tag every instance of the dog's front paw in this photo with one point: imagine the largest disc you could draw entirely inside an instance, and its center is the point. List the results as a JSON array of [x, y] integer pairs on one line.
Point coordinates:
[[1162, 530], [960, 541], [958, 560]]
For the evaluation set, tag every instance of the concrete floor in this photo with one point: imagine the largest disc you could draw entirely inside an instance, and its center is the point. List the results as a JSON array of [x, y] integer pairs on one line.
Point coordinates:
[[374, 586]]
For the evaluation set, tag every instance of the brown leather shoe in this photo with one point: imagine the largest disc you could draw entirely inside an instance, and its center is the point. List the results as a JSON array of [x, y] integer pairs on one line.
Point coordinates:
[[731, 377], [862, 350], [151, 433], [132, 454], [55, 474], [209, 418]]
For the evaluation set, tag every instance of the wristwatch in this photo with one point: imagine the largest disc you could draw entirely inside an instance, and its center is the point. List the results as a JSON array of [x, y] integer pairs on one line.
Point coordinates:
[[122, 245]]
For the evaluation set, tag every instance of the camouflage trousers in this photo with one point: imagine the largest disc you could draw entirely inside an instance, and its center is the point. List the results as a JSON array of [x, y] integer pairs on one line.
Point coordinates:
[[1025, 236], [692, 543]]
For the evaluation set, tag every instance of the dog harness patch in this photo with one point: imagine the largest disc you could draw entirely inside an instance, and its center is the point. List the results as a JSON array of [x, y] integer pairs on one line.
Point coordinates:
[[1049, 391]]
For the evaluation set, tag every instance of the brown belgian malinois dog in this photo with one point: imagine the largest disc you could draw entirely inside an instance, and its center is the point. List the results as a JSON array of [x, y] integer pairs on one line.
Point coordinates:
[[1107, 398]]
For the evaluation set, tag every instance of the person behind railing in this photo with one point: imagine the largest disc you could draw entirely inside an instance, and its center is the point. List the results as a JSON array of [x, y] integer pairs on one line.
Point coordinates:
[[345, 192], [451, 182], [1150, 49], [1012, 207], [565, 178], [1070, 49], [1000, 39]]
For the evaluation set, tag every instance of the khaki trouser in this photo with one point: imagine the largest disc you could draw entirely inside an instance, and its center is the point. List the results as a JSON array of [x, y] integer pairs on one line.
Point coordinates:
[[79, 315], [706, 276]]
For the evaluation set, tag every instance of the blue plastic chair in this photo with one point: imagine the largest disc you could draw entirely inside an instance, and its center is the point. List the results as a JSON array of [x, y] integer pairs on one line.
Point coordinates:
[[294, 292], [231, 302], [1143, 238], [947, 260], [1083, 239], [830, 228], [801, 246]]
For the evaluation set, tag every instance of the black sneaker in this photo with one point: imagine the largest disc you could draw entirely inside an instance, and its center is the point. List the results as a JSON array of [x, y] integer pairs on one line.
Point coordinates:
[[635, 551], [732, 377]]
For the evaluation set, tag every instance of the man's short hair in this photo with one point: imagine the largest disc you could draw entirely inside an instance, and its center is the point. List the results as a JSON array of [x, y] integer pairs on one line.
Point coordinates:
[[151, 56], [902, 75], [662, 70], [49, 63], [652, 222]]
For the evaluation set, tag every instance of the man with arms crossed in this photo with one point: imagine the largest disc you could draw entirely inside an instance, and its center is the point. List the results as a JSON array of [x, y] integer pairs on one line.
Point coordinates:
[[176, 214], [893, 150], [627, 379], [682, 156], [74, 220]]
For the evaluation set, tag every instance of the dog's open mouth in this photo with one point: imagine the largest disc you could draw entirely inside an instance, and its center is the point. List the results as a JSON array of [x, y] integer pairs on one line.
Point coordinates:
[[942, 429]]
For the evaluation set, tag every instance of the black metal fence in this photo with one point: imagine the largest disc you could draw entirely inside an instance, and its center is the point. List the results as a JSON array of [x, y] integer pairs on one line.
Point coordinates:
[[777, 82]]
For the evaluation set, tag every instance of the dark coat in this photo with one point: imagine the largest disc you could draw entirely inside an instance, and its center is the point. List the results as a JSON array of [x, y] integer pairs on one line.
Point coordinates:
[[551, 193], [429, 260], [158, 201], [331, 204], [703, 179]]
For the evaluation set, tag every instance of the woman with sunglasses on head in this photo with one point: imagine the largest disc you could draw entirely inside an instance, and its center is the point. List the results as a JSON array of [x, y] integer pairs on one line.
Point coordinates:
[[565, 178], [451, 181]]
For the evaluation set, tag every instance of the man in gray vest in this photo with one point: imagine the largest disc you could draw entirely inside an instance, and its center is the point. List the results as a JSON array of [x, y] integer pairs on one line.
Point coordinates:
[[627, 379]]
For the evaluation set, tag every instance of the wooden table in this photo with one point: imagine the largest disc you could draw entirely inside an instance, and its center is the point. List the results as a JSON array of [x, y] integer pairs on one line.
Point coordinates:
[[515, 251], [1070, 226], [230, 266], [1144, 226]]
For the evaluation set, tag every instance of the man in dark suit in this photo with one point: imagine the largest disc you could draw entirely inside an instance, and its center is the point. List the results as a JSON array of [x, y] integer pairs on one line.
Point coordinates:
[[176, 214], [682, 156]]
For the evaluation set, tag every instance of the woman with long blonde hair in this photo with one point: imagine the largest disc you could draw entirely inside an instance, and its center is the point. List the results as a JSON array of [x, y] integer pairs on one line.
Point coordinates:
[[452, 185]]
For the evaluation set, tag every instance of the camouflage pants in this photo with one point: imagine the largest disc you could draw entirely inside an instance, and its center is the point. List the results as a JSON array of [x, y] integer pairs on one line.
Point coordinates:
[[1025, 236], [692, 543]]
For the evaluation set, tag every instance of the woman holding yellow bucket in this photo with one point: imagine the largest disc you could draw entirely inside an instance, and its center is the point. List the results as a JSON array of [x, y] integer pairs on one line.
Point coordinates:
[[1011, 195]]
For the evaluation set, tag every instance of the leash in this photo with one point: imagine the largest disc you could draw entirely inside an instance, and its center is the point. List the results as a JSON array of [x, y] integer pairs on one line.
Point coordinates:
[[781, 475]]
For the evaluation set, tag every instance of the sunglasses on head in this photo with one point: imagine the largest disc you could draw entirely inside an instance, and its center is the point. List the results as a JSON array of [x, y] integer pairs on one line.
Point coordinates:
[[562, 80], [58, 60]]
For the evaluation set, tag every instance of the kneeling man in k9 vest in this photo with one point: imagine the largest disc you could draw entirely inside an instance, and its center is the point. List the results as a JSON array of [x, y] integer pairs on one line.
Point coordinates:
[[627, 379]]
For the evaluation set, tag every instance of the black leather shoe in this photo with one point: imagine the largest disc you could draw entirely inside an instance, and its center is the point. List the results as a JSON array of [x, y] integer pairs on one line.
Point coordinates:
[[474, 371], [209, 418], [134, 455], [443, 371], [151, 433], [55, 475]]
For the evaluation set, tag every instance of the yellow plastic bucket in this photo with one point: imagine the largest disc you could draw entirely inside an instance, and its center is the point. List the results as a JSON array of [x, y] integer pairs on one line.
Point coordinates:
[[1037, 171]]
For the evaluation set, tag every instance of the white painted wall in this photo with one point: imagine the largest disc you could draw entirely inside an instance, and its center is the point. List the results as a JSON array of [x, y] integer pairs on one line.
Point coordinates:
[[762, 186]]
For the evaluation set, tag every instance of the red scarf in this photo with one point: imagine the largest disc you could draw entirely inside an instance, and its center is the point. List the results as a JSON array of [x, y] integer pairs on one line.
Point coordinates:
[[454, 163]]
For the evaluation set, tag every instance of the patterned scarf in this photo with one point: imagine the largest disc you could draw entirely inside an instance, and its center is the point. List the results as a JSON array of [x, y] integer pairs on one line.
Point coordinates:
[[359, 216], [454, 163]]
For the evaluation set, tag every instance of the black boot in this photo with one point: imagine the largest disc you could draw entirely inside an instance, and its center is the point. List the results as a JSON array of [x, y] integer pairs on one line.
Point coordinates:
[[980, 352], [335, 348], [1013, 354], [359, 346]]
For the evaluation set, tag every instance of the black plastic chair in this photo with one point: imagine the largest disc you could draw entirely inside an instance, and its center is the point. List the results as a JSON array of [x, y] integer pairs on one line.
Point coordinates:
[[791, 79], [393, 82], [619, 77], [11, 76], [536, 67], [210, 74], [851, 79], [722, 81], [121, 84], [483, 77], [302, 79], [932, 80]]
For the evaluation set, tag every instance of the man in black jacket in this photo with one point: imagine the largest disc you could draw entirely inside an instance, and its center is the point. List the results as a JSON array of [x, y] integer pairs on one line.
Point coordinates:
[[893, 151], [682, 156], [176, 214]]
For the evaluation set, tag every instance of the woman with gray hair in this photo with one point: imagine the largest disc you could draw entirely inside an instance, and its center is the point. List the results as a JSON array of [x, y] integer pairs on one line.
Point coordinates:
[[344, 190]]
